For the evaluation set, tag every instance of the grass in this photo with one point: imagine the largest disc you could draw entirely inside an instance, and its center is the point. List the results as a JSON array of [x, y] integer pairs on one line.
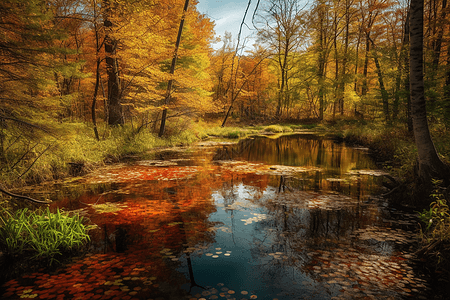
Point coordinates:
[[216, 130], [46, 158], [41, 234]]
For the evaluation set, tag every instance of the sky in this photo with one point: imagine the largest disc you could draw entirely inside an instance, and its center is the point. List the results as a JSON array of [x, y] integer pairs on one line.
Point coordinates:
[[227, 16]]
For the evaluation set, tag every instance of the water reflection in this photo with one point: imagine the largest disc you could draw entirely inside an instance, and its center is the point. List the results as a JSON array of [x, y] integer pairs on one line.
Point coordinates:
[[298, 150], [287, 218]]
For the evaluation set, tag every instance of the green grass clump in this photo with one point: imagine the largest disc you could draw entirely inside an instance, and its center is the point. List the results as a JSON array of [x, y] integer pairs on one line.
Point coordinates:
[[41, 234], [279, 128], [233, 135], [274, 128], [228, 132]]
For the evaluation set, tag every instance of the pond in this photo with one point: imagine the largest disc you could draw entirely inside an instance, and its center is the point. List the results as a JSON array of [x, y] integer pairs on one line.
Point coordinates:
[[293, 217]]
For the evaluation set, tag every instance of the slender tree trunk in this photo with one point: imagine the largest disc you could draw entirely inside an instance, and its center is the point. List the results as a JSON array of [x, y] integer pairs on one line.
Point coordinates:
[[437, 23], [430, 165], [364, 88], [227, 114], [94, 98], [403, 67], [97, 80], [321, 63], [321, 89], [167, 99], [115, 113], [437, 43], [345, 58], [384, 93], [281, 95], [409, 121], [355, 85], [447, 91], [337, 96], [2, 139]]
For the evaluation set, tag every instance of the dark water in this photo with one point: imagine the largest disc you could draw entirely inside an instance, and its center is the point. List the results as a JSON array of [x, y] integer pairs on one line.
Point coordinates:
[[290, 218]]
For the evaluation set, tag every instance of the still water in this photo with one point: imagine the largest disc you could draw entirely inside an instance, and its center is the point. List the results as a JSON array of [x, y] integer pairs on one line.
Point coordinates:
[[294, 217]]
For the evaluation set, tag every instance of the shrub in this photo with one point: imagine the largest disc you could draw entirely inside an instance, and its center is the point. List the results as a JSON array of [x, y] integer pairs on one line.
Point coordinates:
[[436, 218]]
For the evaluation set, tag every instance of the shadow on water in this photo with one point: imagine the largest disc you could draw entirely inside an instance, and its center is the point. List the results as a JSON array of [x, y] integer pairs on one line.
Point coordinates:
[[295, 217]]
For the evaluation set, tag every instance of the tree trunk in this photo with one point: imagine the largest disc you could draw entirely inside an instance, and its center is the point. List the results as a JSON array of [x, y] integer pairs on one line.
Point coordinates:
[[115, 114], [94, 99], [364, 88], [97, 81], [345, 58], [321, 63], [409, 121], [2, 139], [162, 128], [429, 164], [447, 92], [337, 96], [437, 43], [403, 67], [384, 93], [227, 114]]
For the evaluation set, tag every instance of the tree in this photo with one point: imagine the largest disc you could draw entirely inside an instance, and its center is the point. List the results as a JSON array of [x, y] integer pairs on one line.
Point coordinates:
[[172, 70], [429, 164], [283, 33], [115, 112], [322, 42]]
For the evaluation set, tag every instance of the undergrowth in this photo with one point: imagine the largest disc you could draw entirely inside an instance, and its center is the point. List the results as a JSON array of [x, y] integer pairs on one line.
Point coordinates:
[[49, 157], [435, 229]]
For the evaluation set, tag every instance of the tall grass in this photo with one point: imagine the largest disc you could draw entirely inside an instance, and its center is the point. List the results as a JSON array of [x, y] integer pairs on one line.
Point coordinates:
[[48, 157], [41, 234]]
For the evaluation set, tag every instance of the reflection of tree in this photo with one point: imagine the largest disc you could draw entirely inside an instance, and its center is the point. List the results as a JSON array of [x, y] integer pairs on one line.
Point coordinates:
[[298, 150], [184, 242], [230, 153], [326, 242]]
